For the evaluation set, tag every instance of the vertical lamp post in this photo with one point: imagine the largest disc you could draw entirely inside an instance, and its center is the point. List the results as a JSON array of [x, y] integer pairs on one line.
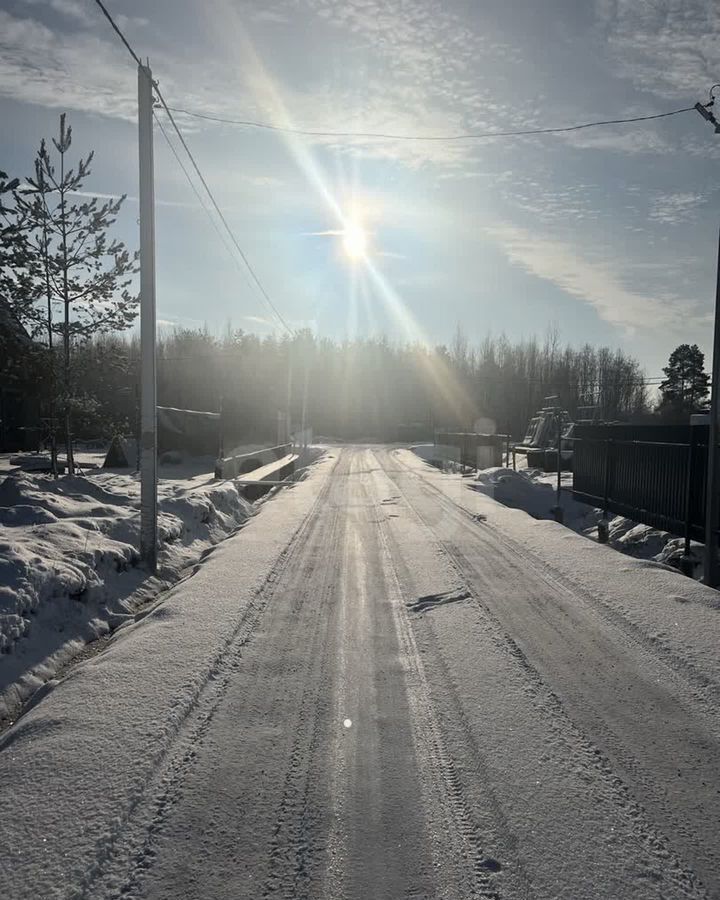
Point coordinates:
[[148, 399]]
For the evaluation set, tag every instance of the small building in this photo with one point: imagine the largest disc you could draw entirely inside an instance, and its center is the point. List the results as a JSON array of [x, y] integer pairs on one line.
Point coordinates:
[[20, 425]]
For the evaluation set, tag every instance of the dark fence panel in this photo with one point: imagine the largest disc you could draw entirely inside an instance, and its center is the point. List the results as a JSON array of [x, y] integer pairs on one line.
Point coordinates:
[[653, 474]]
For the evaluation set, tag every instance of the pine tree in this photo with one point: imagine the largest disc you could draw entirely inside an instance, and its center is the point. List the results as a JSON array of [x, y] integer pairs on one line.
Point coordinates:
[[15, 279], [686, 385], [78, 277], [9, 227]]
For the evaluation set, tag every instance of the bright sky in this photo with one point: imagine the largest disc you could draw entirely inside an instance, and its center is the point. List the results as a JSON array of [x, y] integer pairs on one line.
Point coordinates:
[[610, 233]]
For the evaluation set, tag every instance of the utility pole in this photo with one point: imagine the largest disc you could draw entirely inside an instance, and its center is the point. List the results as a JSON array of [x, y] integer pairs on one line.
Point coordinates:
[[148, 399], [712, 486], [712, 506]]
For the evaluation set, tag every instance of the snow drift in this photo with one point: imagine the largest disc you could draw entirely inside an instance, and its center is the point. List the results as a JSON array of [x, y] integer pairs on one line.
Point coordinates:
[[69, 564], [533, 491]]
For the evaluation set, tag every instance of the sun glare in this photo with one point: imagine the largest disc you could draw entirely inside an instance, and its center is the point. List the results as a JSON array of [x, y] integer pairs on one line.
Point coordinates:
[[355, 241]]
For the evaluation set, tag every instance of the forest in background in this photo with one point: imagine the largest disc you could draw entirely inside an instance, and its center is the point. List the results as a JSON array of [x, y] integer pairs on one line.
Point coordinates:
[[353, 390]]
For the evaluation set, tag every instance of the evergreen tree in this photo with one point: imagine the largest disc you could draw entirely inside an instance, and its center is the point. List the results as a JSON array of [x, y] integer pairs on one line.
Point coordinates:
[[9, 227], [686, 385], [75, 280], [14, 276]]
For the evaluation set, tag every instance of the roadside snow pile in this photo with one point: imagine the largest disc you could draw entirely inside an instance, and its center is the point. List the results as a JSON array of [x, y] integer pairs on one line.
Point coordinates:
[[530, 491], [523, 490], [68, 561], [646, 542]]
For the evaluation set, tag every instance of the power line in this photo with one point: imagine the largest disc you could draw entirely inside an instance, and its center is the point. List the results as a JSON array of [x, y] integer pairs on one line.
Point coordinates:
[[200, 175], [118, 32], [247, 123], [210, 194], [197, 193], [477, 135]]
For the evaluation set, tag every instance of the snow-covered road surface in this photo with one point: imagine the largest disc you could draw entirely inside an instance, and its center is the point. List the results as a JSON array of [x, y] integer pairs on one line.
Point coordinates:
[[404, 691]]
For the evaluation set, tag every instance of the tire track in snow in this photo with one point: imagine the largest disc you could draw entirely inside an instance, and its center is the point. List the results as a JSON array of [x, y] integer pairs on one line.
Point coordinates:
[[653, 842], [295, 850], [468, 833], [126, 851], [700, 682]]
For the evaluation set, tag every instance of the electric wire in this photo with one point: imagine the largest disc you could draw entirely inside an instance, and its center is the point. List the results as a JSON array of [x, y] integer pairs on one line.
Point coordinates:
[[197, 193], [337, 134], [468, 136], [221, 215], [117, 31], [477, 135], [200, 175]]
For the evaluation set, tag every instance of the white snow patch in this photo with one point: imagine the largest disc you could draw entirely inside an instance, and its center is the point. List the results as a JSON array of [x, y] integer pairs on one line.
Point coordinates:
[[526, 489], [80, 764], [534, 492], [69, 564]]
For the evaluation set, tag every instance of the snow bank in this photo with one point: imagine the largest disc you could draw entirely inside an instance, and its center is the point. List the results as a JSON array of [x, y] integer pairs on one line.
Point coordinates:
[[524, 490], [534, 492], [69, 564], [87, 761], [674, 613], [626, 535]]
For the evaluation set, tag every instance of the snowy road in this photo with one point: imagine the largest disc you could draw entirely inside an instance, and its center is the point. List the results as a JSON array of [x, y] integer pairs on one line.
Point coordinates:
[[410, 702]]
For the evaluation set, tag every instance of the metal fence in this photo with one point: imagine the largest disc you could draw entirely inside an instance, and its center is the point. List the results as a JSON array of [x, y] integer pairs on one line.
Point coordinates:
[[654, 474]]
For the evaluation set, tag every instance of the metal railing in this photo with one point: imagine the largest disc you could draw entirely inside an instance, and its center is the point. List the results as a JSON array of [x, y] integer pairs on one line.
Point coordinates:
[[651, 474]]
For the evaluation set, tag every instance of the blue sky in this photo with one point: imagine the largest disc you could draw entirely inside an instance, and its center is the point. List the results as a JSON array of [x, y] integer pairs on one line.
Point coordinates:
[[609, 233]]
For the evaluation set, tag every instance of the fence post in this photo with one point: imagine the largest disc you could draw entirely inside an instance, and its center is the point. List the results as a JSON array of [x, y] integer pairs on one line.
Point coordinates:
[[603, 526], [686, 561], [221, 434], [558, 511]]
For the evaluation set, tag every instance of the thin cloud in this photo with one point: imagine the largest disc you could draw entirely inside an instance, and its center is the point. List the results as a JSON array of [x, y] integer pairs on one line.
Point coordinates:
[[70, 8], [596, 284], [668, 49], [675, 208], [59, 70], [171, 203]]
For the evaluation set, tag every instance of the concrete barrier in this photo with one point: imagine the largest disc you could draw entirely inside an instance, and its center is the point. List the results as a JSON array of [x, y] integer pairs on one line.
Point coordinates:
[[240, 464], [258, 482]]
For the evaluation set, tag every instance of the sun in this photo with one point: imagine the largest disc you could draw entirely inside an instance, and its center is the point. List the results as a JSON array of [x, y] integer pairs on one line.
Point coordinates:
[[355, 242]]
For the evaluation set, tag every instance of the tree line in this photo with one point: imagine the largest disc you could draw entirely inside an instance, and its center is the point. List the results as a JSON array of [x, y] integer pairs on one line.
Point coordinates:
[[361, 389]]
